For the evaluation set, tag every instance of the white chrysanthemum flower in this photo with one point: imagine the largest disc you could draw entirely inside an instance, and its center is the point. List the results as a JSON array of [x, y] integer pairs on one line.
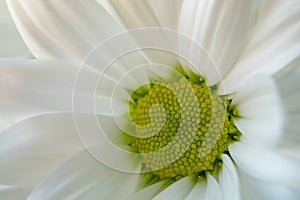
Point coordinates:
[[225, 106]]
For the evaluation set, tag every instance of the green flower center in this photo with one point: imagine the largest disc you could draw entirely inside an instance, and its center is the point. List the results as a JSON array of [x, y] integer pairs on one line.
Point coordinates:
[[182, 127]]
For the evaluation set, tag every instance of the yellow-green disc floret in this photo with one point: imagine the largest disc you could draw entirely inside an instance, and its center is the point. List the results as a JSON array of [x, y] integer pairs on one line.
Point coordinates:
[[192, 117]]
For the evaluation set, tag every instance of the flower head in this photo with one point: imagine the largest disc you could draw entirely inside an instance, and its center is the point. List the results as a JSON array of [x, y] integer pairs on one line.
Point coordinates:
[[142, 99]]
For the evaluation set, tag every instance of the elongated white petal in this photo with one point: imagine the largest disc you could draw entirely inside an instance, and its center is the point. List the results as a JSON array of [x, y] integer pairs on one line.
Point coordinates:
[[31, 149], [177, 190], [266, 165], [291, 137], [168, 13], [5, 187], [13, 193], [136, 14], [57, 29], [77, 31], [83, 177], [208, 190], [62, 29], [148, 192], [213, 190], [198, 191], [229, 181], [274, 43], [33, 87], [221, 28], [253, 188], [12, 45], [288, 82], [139, 14], [260, 110]]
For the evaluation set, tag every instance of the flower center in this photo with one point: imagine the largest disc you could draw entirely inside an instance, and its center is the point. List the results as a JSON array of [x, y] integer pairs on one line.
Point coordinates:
[[186, 118]]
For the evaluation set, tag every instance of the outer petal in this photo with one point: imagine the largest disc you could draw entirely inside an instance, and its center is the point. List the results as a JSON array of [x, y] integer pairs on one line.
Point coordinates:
[[32, 87], [260, 110], [209, 190], [56, 29], [12, 45], [147, 13], [288, 82], [229, 181], [253, 188], [62, 29], [30, 150], [83, 177], [266, 165], [148, 192], [11, 193], [198, 191], [275, 42], [220, 27], [177, 190]]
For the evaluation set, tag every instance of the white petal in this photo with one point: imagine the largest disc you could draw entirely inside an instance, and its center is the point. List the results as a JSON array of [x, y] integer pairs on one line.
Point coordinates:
[[33, 87], [57, 29], [147, 13], [253, 188], [83, 177], [148, 192], [229, 181], [209, 190], [288, 82], [213, 191], [266, 165], [106, 142], [275, 43], [62, 29], [12, 45], [136, 13], [221, 28], [291, 135], [5, 187], [117, 157], [30, 150], [260, 110], [168, 12], [13, 193], [77, 31], [177, 190], [198, 191]]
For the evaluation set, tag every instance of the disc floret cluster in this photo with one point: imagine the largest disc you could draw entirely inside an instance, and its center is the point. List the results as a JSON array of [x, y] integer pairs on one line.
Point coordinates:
[[188, 118]]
